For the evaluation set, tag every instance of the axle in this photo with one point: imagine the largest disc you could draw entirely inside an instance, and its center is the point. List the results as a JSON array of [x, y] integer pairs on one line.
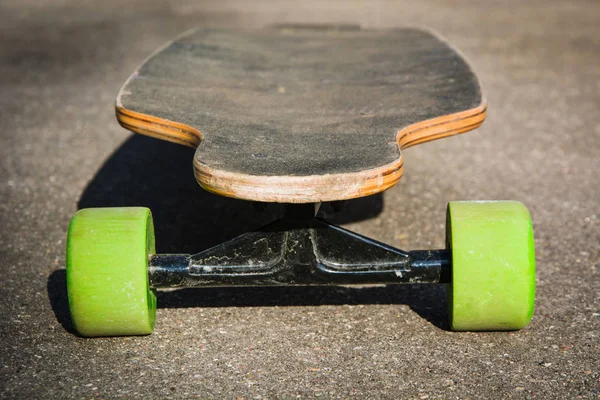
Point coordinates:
[[299, 250], [182, 270]]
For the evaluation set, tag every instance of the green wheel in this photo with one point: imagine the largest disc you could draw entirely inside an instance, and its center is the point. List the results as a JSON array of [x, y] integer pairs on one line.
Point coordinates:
[[107, 271], [493, 265]]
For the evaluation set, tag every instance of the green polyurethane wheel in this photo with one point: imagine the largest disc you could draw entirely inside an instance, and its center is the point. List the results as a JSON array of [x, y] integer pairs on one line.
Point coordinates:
[[493, 265], [107, 271]]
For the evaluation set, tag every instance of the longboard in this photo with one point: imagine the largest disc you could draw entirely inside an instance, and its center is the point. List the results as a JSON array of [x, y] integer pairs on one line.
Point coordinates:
[[301, 115], [297, 115]]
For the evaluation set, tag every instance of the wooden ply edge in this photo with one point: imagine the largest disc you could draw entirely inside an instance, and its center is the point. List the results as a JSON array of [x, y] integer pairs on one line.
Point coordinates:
[[441, 127], [298, 189], [159, 128]]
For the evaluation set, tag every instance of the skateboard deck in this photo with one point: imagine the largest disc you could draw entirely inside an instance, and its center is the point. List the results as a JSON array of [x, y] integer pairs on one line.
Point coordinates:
[[301, 115]]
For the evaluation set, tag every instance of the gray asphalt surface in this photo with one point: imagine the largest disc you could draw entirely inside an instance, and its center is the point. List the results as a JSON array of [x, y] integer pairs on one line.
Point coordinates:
[[61, 149]]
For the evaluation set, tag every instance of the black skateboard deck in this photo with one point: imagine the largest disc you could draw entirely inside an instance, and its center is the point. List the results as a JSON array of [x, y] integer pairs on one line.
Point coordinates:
[[301, 114]]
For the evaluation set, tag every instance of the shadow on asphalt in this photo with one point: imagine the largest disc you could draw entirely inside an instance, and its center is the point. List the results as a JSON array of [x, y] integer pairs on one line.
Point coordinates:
[[157, 174], [57, 294], [427, 300]]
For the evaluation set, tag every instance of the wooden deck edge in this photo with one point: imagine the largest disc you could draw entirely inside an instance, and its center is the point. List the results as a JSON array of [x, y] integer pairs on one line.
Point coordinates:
[[159, 128], [298, 189], [441, 127], [302, 189]]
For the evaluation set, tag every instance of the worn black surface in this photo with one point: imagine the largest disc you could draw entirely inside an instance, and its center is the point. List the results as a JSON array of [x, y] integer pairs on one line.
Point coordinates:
[[293, 101]]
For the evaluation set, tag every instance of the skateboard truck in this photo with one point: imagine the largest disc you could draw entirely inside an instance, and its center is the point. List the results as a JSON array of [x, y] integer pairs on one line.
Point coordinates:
[[299, 249], [113, 271]]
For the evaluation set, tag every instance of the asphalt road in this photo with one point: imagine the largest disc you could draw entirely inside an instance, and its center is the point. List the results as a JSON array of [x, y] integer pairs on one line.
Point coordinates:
[[61, 65]]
